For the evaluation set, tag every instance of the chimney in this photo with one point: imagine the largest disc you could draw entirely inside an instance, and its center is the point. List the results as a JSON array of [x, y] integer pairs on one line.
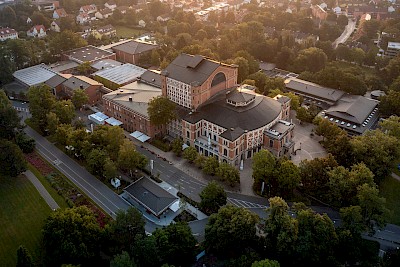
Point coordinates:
[[130, 99]]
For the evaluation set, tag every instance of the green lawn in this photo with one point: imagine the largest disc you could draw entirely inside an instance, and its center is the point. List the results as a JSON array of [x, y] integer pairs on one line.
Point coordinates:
[[390, 189], [22, 215], [125, 32]]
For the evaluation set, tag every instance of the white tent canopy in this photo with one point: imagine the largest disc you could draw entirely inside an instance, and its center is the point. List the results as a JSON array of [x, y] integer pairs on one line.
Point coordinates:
[[113, 122], [175, 206], [140, 136], [98, 117]]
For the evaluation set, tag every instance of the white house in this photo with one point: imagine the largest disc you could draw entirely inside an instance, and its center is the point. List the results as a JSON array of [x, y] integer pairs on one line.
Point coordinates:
[[83, 18], [104, 13], [38, 31], [142, 23], [88, 9], [55, 27], [337, 10], [8, 33], [28, 20], [111, 5], [59, 13]]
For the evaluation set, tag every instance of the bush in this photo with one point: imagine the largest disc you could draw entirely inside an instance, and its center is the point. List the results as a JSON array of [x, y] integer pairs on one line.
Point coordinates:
[[161, 145]]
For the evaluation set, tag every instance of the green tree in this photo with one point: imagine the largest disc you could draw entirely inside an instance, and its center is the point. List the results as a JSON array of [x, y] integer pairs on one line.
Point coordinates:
[[84, 68], [64, 41], [263, 168], [122, 260], [311, 59], [25, 143], [377, 150], [79, 98], [288, 177], [176, 244], [228, 173], [129, 158], [122, 232], [161, 111], [24, 258], [41, 102], [109, 138], [110, 169], [176, 146], [352, 219], [260, 80], [389, 104], [12, 161], [230, 230], [52, 122], [8, 15], [200, 160], [21, 52], [190, 154], [391, 126], [71, 235], [62, 134], [7, 66], [9, 120], [213, 197], [65, 111], [373, 207], [266, 263], [211, 165], [243, 70], [95, 161]]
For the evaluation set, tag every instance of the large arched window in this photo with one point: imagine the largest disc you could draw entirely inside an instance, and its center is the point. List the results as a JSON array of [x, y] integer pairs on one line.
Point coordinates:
[[219, 78]]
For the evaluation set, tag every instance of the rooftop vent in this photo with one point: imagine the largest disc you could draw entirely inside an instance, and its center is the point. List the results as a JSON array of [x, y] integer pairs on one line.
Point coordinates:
[[232, 129], [130, 99]]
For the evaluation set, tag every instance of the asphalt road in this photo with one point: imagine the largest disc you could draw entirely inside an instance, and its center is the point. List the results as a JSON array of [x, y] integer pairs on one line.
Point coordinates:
[[345, 34]]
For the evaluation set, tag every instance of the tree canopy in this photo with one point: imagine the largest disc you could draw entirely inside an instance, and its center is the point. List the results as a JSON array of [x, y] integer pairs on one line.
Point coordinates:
[[161, 111], [213, 197]]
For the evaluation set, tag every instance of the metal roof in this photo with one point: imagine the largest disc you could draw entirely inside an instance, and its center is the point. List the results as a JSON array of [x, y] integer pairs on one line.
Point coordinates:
[[134, 47], [121, 74], [34, 75], [106, 64]]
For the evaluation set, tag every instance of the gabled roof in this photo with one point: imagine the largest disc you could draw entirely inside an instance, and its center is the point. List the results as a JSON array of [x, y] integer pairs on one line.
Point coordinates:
[[134, 47], [55, 81], [191, 69], [352, 108], [88, 8], [61, 12], [121, 74], [106, 11], [34, 75], [7, 31], [151, 196], [37, 27], [80, 82], [152, 78], [313, 89]]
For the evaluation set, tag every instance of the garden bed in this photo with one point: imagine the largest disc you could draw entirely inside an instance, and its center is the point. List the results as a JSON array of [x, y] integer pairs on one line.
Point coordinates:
[[185, 216]]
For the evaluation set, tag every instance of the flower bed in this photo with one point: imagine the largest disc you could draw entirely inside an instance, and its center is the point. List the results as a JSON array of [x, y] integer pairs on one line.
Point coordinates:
[[42, 166]]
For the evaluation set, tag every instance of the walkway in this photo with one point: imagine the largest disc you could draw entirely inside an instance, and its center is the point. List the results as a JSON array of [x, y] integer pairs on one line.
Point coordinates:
[[42, 190], [351, 25], [395, 176]]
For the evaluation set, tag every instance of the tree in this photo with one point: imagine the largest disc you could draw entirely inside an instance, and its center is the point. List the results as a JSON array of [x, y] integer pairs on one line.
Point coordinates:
[[391, 126], [24, 258], [64, 41], [377, 150], [352, 219], [109, 138], [95, 161], [9, 120], [8, 15], [176, 146], [288, 177], [122, 260], [41, 102], [110, 170], [392, 70], [7, 66], [389, 104], [190, 154], [12, 161], [311, 59], [20, 51], [161, 111], [65, 111], [129, 158], [71, 235], [266, 263], [25, 143], [228, 173], [145, 252], [260, 79], [230, 230], [212, 197], [84, 68], [52, 121], [211, 165], [62, 134], [373, 207], [263, 167], [200, 160], [243, 70], [79, 98], [176, 244], [127, 227]]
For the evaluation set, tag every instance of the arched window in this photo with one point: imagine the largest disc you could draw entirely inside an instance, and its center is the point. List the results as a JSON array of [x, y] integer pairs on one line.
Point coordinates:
[[218, 78]]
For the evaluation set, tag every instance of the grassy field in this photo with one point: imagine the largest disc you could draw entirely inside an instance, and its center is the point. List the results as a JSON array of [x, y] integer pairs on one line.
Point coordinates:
[[125, 32], [22, 215], [390, 189]]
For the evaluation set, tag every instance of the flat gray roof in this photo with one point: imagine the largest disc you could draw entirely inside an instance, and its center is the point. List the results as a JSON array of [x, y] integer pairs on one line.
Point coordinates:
[[34, 75], [106, 64], [313, 89], [134, 47], [88, 53], [63, 65], [150, 195], [121, 74]]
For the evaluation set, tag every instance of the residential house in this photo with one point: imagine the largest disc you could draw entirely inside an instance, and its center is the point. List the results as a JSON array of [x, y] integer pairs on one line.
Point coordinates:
[[104, 13], [8, 33], [163, 18], [375, 12], [59, 13], [111, 5], [55, 27], [105, 31], [83, 18], [46, 5], [88, 9], [130, 52], [90, 86], [37, 31]]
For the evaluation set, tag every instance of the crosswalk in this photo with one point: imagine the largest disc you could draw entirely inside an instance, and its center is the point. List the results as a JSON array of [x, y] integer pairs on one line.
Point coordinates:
[[244, 204]]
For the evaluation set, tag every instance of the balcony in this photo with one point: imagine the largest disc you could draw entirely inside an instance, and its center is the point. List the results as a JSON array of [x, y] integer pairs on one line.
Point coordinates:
[[203, 142]]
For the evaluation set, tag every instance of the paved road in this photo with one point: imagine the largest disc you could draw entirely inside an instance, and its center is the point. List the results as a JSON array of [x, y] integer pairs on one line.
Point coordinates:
[[42, 190], [345, 34]]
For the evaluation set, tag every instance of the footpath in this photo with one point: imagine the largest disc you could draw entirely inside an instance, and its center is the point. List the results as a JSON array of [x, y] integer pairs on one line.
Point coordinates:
[[42, 190]]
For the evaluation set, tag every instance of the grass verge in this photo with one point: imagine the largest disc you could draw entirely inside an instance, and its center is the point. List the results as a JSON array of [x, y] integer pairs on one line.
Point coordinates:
[[22, 215], [125, 32], [57, 197], [390, 189]]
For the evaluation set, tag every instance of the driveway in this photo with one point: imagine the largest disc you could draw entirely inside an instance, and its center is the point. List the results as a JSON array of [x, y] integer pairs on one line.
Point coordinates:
[[351, 25]]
